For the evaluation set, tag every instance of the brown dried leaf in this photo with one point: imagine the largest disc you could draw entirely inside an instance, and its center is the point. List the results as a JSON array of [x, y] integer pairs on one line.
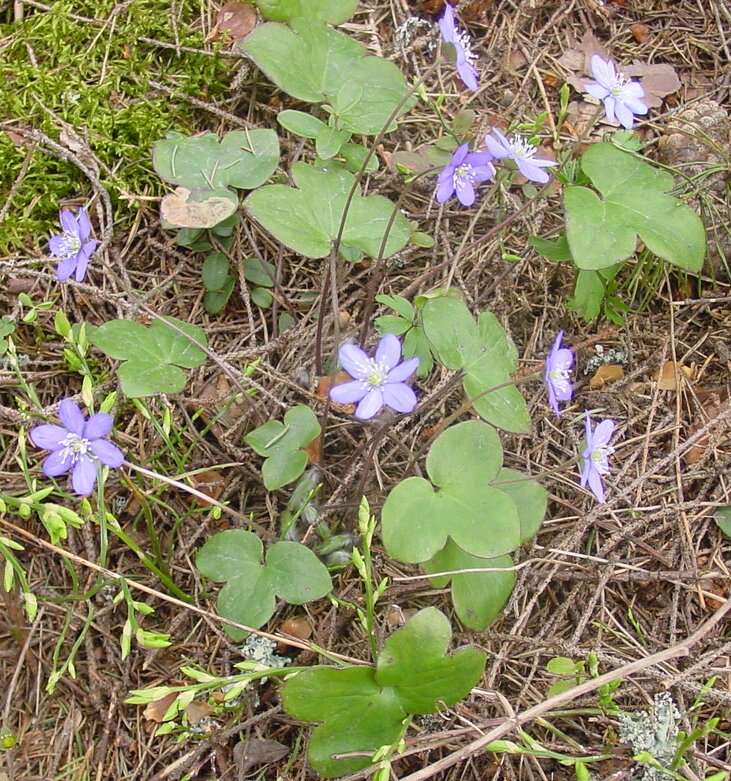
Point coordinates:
[[236, 20], [578, 59], [156, 710], [411, 161], [297, 626], [657, 80], [669, 379], [257, 751], [210, 483], [217, 395], [177, 209], [605, 374], [197, 711], [640, 32]]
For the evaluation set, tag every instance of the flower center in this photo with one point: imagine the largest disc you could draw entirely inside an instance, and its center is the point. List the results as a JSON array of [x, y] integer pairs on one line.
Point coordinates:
[[376, 375], [599, 456], [75, 447], [559, 377], [618, 89], [464, 173], [465, 44], [521, 148], [71, 244]]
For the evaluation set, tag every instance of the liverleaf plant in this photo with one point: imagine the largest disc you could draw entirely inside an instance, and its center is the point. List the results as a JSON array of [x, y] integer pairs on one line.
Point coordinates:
[[317, 64], [470, 515], [283, 445], [236, 557], [306, 218], [486, 355], [361, 709], [207, 168], [153, 356], [632, 200]]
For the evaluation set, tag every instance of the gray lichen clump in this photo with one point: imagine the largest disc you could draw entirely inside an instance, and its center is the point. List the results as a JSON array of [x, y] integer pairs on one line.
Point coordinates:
[[654, 731]]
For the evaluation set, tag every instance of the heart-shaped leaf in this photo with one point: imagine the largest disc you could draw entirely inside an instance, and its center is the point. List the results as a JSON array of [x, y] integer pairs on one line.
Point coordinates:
[[361, 709], [235, 556], [317, 64], [418, 521], [283, 445], [306, 218], [723, 519], [486, 355], [153, 355], [243, 159], [332, 11], [602, 228], [478, 597]]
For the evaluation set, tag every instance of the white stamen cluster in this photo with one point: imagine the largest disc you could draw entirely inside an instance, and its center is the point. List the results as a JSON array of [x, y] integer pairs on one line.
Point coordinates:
[[71, 244], [619, 85], [521, 148], [466, 45], [75, 447], [560, 377], [600, 455], [463, 173], [374, 373]]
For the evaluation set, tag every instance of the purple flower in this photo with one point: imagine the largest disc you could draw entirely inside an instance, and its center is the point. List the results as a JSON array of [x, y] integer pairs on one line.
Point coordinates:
[[461, 42], [557, 374], [621, 96], [460, 175], [521, 153], [78, 446], [74, 246], [596, 456], [376, 381]]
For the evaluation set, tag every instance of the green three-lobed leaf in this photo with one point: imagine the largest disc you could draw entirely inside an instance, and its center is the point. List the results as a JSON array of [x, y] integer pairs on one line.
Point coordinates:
[[632, 200], [361, 709], [291, 571], [307, 217], [282, 445], [317, 64], [152, 355], [419, 519]]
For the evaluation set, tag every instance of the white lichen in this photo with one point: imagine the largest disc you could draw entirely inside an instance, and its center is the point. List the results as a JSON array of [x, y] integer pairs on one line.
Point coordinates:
[[655, 732]]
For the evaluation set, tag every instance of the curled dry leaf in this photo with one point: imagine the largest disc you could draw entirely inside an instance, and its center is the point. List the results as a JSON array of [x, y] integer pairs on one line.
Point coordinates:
[[210, 483], [236, 20], [670, 377], [156, 710], [657, 80], [640, 32], [177, 209], [577, 60], [297, 626], [197, 711], [605, 374], [257, 751]]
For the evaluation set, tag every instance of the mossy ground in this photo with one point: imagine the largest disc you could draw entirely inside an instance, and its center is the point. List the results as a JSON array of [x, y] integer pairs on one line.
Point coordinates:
[[94, 75]]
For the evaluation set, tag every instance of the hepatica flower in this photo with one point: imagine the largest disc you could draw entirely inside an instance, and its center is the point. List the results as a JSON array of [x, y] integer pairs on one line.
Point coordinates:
[[74, 247], [557, 375], [466, 58], [521, 153], [596, 456], [77, 446], [462, 173], [622, 97], [377, 381]]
